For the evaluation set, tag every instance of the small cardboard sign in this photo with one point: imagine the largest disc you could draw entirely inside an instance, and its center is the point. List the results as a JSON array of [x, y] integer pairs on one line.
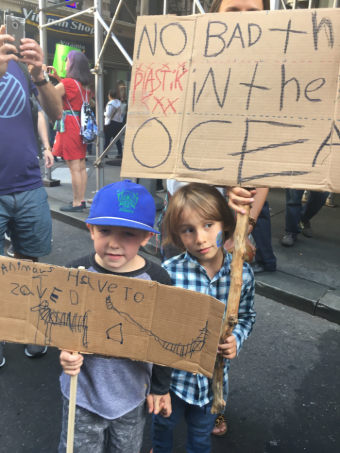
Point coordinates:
[[245, 99], [104, 314]]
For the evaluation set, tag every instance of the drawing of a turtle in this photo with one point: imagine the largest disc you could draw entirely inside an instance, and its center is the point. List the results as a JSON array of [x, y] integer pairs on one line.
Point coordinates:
[[127, 200]]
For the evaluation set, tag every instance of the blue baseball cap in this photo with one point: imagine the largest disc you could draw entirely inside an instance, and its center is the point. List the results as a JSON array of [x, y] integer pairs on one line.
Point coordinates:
[[124, 204]]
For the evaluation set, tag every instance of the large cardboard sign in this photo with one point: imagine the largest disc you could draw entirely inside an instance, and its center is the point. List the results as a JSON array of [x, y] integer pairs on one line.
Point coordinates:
[[83, 311], [237, 99]]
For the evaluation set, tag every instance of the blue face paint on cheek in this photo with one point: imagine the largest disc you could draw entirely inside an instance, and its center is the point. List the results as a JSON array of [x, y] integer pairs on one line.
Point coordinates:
[[219, 241]]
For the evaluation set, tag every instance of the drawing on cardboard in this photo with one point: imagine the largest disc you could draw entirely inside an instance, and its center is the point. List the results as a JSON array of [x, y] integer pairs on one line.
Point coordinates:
[[112, 332], [177, 348], [51, 317], [108, 315]]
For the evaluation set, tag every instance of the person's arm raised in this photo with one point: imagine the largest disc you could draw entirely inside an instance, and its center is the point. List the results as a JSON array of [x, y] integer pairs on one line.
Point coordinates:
[[257, 205], [4, 48], [55, 74], [49, 97], [60, 89], [239, 197]]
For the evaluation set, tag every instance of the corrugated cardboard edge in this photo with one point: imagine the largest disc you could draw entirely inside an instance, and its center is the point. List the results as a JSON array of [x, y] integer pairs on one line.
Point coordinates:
[[333, 187]]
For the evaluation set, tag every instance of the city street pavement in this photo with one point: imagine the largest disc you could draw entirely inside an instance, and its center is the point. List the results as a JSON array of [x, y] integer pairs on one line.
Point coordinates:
[[284, 386], [308, 274]]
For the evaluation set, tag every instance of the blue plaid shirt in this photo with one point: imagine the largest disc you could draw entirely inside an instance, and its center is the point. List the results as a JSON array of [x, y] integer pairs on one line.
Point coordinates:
[[186, 272]]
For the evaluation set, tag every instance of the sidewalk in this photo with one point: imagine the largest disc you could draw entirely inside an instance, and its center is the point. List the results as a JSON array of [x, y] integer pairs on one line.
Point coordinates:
[[308, 275]]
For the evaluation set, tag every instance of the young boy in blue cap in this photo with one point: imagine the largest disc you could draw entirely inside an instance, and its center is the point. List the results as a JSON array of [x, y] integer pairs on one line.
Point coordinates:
[[112, 392]]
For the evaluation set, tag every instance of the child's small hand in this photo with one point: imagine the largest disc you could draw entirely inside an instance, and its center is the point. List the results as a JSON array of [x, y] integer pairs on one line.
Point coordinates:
[[159, 404], [71, 363], [228, 350]]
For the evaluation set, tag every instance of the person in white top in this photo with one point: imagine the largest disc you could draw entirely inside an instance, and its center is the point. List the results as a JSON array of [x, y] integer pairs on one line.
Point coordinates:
[[113, 120]]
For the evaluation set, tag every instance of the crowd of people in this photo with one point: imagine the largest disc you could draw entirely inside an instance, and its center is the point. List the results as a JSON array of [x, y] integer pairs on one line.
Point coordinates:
[[197, 227]]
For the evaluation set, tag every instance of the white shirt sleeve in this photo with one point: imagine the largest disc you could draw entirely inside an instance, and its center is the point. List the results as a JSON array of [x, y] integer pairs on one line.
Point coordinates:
[[107, 113], [107, 110], [173, 185]]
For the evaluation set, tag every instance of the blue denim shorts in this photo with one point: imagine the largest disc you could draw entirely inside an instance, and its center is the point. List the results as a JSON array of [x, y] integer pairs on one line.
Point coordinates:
[[27, 215]]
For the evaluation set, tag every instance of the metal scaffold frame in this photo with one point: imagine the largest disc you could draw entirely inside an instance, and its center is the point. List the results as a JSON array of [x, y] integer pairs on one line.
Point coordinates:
[[99, 26], [99, 49]]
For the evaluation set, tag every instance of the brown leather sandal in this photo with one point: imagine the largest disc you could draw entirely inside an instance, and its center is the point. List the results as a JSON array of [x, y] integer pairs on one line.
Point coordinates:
[[219, 420]]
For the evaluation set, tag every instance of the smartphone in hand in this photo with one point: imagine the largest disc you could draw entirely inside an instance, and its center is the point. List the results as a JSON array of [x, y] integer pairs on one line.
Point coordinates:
[[15, 26]]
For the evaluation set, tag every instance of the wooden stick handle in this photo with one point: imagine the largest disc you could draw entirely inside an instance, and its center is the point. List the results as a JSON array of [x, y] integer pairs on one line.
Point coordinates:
[[71, 412], [230, 320]]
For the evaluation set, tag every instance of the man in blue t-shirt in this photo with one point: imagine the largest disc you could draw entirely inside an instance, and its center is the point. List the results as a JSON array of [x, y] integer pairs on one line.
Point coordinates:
[[23, 199]]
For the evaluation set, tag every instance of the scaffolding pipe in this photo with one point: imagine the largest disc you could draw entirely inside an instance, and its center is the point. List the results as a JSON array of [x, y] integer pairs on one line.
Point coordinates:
[[99, 22], [98, 162], [199, 6], [108, 33], [144, 7], [64, 19], [128, 10], [43, 45], [115, 40], [99, 88], [165, 7], [294, 4]]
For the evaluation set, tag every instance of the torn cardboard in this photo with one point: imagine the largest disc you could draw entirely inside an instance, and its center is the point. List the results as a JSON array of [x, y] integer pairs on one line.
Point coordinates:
[[104, 314], [245, 99]]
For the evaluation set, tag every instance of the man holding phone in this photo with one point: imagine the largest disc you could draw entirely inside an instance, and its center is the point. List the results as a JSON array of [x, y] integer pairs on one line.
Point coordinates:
[[23, 199]]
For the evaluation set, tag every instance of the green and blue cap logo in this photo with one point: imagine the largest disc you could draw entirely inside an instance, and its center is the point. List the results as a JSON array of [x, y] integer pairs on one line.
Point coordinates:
[[125, 204]]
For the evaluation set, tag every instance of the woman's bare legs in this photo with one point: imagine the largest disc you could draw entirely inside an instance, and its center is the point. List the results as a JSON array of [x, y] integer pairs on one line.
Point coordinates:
[[79, 179]]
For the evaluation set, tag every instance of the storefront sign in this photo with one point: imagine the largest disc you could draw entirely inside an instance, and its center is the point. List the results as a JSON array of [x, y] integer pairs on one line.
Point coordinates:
[[69, 26], [54, 41]]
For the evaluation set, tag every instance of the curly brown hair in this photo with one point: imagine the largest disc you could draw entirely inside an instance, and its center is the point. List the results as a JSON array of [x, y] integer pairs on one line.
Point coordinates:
[[216, 4]]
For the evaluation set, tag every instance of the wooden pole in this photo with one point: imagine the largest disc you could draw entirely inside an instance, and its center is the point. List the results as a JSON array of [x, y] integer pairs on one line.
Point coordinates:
[[231, 320], [71, 412]]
